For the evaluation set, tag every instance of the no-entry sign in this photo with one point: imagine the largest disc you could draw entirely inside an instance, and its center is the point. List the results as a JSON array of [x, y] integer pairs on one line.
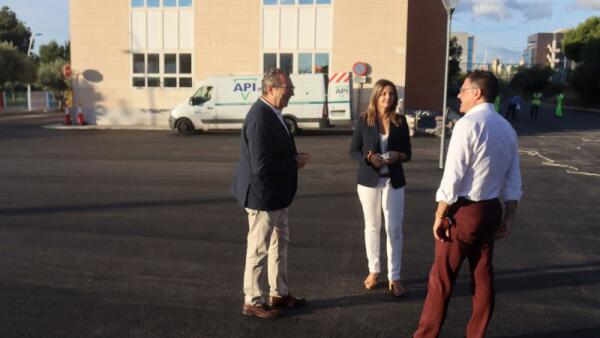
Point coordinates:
[[359, 69], [67, 72]]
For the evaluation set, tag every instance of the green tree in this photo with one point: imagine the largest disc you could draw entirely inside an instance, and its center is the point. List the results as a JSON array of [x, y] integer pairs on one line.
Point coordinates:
[[454, 55], [53, 57], [530, 80], [13, 31], [582, 45], [50, 75], [585, 80], [52, 51], [15, 67], [575, 39]]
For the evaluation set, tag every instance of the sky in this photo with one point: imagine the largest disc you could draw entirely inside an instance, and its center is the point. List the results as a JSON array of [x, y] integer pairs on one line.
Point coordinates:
[[500, 26], [48, 17]]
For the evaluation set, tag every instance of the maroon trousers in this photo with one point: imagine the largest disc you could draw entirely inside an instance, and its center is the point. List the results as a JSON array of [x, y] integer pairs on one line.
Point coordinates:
[[471, 238]]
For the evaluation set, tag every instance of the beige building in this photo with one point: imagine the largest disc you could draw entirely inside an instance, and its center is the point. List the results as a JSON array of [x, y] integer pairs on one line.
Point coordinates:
[[134, 60]]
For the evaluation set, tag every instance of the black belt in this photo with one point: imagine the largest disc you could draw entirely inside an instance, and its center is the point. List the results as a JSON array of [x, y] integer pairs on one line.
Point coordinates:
[[464, 199], [384, 175]]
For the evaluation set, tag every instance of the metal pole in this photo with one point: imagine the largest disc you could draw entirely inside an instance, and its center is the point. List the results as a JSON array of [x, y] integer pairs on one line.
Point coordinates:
[[445, 110], [29, 85]]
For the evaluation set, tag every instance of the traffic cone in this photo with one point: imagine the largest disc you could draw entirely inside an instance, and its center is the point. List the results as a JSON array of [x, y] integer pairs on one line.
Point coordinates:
[[80, 119], [67, 117]]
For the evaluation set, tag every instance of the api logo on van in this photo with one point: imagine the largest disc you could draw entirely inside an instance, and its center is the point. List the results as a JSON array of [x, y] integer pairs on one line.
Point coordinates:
[[342, 91], [245, 86]]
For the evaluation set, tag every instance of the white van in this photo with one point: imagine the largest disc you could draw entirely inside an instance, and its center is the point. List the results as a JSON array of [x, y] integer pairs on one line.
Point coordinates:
[[223, 102]]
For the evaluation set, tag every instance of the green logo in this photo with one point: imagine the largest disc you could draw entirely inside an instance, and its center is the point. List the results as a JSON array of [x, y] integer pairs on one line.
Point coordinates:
[[245, 86]]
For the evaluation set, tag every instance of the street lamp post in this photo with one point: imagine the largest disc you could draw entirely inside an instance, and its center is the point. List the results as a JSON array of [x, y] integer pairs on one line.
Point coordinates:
[[449, 5], [31, 38]]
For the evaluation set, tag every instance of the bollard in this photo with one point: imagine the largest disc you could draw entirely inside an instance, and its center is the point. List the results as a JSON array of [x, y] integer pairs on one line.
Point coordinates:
[[67, 117], [80, 118]]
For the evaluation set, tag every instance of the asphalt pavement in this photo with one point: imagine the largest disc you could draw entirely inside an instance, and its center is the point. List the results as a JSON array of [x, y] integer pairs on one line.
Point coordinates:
[[113, 233]]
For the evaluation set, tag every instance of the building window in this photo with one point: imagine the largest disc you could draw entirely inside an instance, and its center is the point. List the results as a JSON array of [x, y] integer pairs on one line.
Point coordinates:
[[153, 63], [286, 62], [149, 71], [185, 82], [322, 63], [154, 82], [170, 63], [185, 63], [269, 61], [296, 35], [304, 63], [170, 82], [139, 64], [165, 3], [139, 82]]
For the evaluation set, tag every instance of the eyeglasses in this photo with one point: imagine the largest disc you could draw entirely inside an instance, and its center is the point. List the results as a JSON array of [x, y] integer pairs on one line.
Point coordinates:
[[463, 89]]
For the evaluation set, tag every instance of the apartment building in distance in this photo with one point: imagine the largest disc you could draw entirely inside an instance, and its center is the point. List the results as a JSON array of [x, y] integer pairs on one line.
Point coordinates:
[[467, 42], [546, 49]]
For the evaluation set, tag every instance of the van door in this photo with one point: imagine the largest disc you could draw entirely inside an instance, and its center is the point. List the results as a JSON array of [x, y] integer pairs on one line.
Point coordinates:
[[339, 98], [236, 96], [308, 101], [203, 101]]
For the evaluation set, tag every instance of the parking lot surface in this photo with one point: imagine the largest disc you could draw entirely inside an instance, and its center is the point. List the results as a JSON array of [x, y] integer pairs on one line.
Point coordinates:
[[116, 233]]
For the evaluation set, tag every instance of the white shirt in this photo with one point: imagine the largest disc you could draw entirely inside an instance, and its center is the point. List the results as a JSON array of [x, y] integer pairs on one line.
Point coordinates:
[[277, 113], [483, 159], [383, 141]]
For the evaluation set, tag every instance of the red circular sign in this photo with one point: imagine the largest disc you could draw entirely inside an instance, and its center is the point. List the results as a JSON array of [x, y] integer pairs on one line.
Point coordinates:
[[359, 69], [67, 72]]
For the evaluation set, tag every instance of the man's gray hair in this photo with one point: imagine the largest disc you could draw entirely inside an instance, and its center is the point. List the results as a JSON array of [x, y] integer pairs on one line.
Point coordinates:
[[271, 78]]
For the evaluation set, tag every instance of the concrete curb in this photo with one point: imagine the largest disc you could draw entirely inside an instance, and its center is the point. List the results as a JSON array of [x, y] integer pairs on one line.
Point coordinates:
[[574, 108], [104, 127]]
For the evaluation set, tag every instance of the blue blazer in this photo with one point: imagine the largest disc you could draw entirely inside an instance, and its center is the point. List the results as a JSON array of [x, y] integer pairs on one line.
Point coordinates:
[[365, 139], [267, 172]]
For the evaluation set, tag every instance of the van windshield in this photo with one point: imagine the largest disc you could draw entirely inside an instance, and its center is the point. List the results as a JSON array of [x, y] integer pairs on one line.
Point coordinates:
[[203, 93]]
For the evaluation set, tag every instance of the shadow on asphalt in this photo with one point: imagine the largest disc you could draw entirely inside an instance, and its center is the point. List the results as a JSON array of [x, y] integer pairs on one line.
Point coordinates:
[[579, 333], [517, 280]]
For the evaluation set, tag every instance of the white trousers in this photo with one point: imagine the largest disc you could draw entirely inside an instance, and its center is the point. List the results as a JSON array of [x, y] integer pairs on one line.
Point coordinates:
[[391, 201], [266, 255]]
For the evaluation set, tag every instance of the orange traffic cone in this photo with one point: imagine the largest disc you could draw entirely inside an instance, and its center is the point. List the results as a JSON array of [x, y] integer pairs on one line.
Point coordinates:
[[80, 119], [67, 117]]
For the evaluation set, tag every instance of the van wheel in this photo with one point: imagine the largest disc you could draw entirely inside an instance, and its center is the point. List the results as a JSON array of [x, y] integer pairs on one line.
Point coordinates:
[[291, 125], [185, 127]]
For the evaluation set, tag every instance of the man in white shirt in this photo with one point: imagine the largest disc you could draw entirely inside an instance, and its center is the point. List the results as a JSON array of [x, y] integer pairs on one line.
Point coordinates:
[[482, 168]]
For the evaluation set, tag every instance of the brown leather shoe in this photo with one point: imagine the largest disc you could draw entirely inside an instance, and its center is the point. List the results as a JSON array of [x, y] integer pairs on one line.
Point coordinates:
[[396, 288], [288, 301], [260, 311]]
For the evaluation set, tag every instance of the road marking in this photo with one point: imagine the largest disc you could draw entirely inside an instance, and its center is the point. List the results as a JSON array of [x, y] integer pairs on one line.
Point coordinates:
[[588, 140], [552, 163]]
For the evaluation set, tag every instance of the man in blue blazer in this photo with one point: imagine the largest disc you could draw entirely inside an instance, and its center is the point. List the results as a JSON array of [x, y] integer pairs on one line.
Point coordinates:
[[265, 184]]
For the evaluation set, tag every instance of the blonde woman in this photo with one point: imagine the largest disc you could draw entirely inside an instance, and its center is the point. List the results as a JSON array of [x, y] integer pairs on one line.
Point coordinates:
[[380, 144]]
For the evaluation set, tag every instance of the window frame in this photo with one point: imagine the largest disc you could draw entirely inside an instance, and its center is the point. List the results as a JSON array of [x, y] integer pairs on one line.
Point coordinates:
[[161, 74], [295, 51]]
